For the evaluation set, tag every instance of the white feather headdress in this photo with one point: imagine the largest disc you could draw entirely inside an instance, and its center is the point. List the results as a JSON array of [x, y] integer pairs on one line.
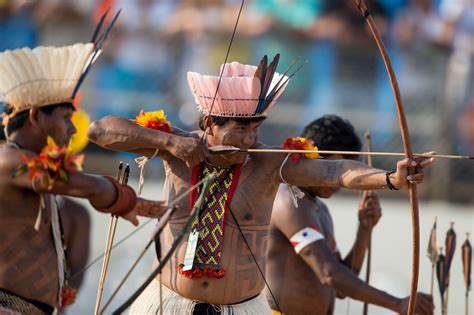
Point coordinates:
[[42, 76], [45, 76]]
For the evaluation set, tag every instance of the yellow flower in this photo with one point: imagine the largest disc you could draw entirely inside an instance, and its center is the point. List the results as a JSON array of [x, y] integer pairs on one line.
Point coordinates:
[[300, 143], [154, 120]]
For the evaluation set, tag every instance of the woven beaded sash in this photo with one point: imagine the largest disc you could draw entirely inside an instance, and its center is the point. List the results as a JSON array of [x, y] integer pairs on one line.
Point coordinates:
[[211, 221]]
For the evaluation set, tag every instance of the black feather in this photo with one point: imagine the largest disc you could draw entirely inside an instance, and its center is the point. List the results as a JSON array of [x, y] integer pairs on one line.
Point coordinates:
[[278, 86], [440, 267], [261, 74], [99, 26], [265, 84], [97, 49]]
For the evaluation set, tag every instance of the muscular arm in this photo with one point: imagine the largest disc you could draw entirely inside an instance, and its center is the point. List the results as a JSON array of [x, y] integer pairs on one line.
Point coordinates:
[[334, 173], [99, 190], [150, 208], [333, 274], [352, 174], [117, 133], [319, 257]]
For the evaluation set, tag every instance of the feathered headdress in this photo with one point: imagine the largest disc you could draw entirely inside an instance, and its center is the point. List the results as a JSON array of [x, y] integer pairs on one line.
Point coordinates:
[[242, 91], [45, 76]]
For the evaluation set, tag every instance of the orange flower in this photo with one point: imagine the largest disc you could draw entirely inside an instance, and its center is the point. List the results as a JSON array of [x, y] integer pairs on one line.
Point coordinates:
[[299, 143], [52, 163], [153, 120]]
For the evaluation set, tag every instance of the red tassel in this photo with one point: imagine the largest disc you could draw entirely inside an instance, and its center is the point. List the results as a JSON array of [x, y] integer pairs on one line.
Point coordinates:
[[202, 272], [68, 295]]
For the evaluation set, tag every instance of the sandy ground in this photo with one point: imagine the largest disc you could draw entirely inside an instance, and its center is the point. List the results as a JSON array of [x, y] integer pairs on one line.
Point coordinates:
[[391, 260]]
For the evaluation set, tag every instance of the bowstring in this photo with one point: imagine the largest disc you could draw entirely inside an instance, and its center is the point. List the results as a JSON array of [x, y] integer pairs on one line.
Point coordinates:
[[208, 123]]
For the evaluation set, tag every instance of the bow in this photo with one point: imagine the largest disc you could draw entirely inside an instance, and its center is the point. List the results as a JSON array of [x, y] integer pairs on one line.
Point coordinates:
[[408, 153]]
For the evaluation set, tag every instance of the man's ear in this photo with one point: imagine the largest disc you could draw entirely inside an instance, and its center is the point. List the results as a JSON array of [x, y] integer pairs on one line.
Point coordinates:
[[208, 126], [33, 116]]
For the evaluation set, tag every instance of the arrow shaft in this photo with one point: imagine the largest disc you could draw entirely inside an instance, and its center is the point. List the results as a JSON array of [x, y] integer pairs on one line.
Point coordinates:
[[445, 156]]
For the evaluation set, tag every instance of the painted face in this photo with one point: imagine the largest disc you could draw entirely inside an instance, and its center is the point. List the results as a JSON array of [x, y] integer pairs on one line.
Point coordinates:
[[58, 124], [235, 134]]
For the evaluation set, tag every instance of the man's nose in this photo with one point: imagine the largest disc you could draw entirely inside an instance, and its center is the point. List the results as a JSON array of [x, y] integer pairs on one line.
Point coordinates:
[[72, 129], [248, 140]]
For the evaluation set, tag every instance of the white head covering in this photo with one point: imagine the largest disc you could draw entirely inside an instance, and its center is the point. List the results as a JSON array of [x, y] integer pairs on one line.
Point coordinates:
[[41, 76]]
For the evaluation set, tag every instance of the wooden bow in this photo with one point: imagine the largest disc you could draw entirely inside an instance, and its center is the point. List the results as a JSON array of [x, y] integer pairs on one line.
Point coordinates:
[[408, 153]]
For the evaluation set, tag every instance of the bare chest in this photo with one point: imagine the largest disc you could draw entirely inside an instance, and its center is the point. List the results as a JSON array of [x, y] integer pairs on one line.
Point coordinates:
[[250, 203]]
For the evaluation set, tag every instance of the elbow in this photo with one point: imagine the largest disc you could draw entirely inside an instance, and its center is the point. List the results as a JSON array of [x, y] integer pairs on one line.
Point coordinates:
[[98, 130], [328, 279], [95, 131], [332, 278]]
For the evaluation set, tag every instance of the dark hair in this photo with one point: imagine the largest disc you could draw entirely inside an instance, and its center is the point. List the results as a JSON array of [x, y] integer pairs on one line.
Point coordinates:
[[221, 121], [331, 132], [19, 120]]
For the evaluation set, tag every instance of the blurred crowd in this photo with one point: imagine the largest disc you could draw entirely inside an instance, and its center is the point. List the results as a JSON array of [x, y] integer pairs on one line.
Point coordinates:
[[155, 42]]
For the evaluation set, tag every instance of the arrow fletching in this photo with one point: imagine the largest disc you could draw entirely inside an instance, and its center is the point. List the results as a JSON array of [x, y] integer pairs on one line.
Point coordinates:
[[450, 243], [432, 247], [440, 274], [466, 252]]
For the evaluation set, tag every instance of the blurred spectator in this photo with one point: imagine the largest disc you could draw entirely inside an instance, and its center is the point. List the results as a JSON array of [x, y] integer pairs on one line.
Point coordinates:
[[141, 57], [17, 24], [421, 22], [466, 129]]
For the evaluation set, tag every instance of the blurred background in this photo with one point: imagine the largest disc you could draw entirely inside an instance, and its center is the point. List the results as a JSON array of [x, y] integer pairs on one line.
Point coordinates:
[[156, 42]]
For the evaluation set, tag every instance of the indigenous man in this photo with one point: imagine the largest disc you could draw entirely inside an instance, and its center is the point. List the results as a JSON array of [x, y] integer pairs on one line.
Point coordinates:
[[222, 276], [305, 270], [38, 87]]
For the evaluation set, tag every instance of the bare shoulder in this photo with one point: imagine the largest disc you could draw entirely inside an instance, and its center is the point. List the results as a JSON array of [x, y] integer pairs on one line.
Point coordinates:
[[291, 218], [270, 162], [10, 158], [283, 204]]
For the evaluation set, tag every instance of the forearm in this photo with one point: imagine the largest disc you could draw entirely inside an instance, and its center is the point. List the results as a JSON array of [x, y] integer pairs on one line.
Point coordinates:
[[99, 190], [353, 287], [334, 173], [335, 275], [356, 175], [151, 208], [116, 133], [355, 258]]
